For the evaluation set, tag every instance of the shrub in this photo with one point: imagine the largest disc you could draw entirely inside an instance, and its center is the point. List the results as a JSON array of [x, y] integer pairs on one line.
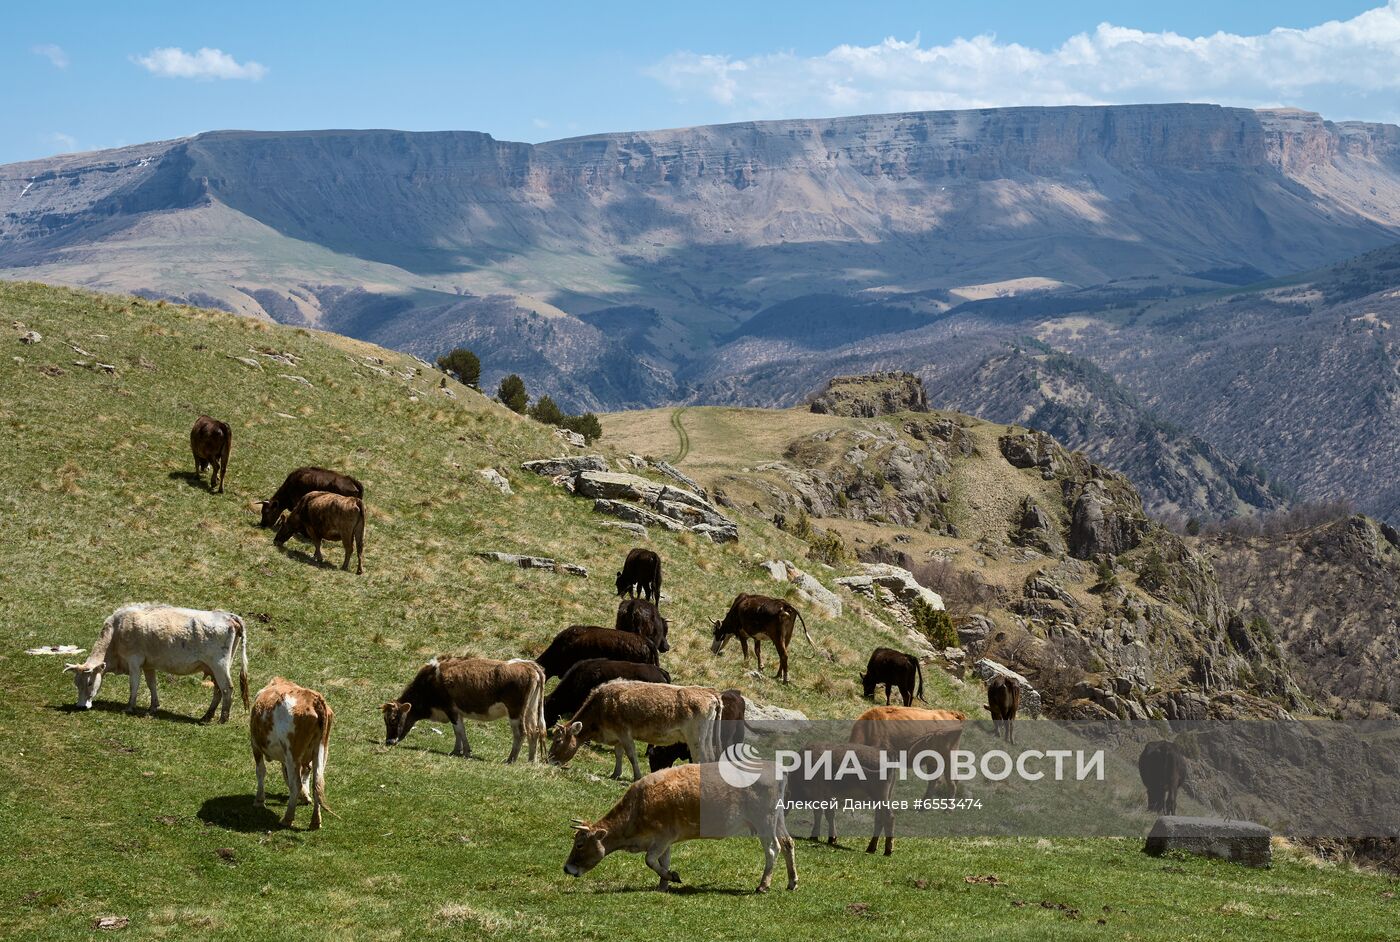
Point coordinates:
[[586, 425], [512, 393], [545, 410], [828, 547], [934, 624], [463, 364]]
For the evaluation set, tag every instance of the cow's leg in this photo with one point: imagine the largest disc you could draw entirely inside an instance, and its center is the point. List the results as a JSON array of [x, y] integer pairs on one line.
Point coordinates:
[[304, 772], [517, 735], [617, 761], [460, 746], [887, 694], [133, 665], [149, 673], [659, 860], [672, 875], [349, 543], [214, 701], [758, 653], [782, 663], [293, 780], [789, 852], [260, 764], [889, 831], [817, 818], [770, 853], [830, 826], [626, 743]]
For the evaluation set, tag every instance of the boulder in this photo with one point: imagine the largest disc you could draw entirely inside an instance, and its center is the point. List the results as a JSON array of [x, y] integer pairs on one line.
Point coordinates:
[[902, 583], [666, 468], [1239, 841], [729, 534], [1033, 450], [872, 394], [774, 718], [567, 464], [1101, 525], [1035, 529], [807, 585], [636, 529], [570, 438], [986, 669], [535, 562], [495, 479], [30, 337], [616, 485], [631, 513]]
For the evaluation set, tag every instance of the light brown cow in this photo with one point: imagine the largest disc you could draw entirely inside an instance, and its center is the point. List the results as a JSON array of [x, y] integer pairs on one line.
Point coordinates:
[[665, 808], [895, 729], [454, 689], [293, 724], [322, 515], [841, 771], [210, 441], [622, 711]]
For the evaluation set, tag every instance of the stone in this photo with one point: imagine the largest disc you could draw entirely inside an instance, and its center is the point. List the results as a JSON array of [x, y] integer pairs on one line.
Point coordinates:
[[616, 485], [535, 562], [807, 585], [986, 669], [902, 583], [1099, 525], [636, 529], [634, 514], [775, 719], [716, 534], [666, 468], [495, 479], [30, 337], [1240, 841], [872, 394], [571, 438], [566, 464]]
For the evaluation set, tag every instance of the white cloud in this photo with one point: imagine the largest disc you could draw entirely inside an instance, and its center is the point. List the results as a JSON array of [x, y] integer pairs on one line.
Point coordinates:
[[65, 143], [204, 65], [1343, 68], [55, 54]]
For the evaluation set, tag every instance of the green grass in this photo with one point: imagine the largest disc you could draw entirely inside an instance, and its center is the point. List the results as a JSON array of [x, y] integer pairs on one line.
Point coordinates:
[[150, 817]]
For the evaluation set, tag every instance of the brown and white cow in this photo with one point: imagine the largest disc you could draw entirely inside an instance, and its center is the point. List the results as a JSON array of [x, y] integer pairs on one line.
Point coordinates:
[[1003, 702], [733, 729], [140, 640], [303, 481], [833, 772], [456, 689], [754, 617], [664, 809], [210, 441], [320, 516], [292, 724], [893, 729], [622, 711]]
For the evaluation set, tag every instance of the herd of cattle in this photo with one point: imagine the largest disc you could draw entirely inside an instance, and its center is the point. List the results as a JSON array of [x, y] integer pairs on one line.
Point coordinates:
[[612, 691]]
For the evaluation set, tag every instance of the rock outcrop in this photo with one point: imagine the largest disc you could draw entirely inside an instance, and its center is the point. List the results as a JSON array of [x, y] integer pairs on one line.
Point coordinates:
[[871, 395]]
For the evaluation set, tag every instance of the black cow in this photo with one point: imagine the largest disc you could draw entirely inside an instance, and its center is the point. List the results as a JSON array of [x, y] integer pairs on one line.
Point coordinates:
[[582, 642], [641, 617], [732, 716], [580, 680], [1003, 701], [641, 575], [893, 669], [210, 441], [1162, 767], [303, 481]]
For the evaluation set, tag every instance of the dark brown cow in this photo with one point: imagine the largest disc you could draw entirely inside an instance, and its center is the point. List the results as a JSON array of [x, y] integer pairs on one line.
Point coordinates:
[[731, 714], [641, 617], [641, 575], [303, 481], [1162, 768], [819, 779], [583, 642], [321, 516], [210, 440], [586, 676], [454, 689], [754, 617], [893, 669], [1003, 700]]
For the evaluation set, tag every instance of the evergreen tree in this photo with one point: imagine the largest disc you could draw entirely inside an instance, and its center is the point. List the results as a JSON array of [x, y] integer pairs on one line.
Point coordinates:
[[463, 364], [512, 393]]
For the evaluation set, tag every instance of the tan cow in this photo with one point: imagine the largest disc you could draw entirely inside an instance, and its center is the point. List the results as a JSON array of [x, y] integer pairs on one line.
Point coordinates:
[[454, 689], [622, 711], [293, 724], [322, 515], [665, 808], [893, 729], [140, 640], [210, 440]]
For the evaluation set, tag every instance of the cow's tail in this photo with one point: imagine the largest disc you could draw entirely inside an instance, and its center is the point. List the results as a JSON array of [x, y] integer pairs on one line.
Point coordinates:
[[240, 638], [318, 772], [360, 534], [919, 667], [223, 452], [803, 621], [533, 721]]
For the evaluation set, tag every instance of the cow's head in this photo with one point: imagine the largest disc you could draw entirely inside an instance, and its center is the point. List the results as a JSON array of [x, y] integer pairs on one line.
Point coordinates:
[[588, 848], [867, 686], [664, 643], [564, 742], [622, 585], [398, 720], [270, 512], [288, 527], [88, 680], [721, 636]]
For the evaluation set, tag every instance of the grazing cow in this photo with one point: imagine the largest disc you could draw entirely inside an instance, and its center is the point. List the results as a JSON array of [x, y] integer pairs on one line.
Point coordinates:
[[1162, 768], [293, 724], [664, 809], [141, 639], [210, 440], [732, 730], [641, 575], [585, 676], [622, 711], [303, 481], [909, 729], [1003, 700], [583, 642], [893, 669], [641, 617], [455, 689], [835, 779], [754, 617], [320, 516]]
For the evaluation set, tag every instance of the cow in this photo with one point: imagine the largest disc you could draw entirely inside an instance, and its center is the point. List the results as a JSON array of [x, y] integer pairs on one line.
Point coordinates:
[[622, 711], [293, 724], [1003, 700], [893, 669], [756, 617], [731, 710], [641, 617], [455, 689], [641, 575], [139, 640], [663, 809], [894, 729], [585, 676], [303, 481], [322, 515], [584, 642], [1162, 768], [830, 774], [210, 440]]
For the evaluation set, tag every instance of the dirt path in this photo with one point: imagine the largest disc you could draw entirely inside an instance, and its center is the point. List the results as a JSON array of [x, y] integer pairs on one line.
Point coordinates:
[[684, 447]]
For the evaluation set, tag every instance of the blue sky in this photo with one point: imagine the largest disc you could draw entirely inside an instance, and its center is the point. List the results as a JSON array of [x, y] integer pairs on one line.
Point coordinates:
[[83, 76]]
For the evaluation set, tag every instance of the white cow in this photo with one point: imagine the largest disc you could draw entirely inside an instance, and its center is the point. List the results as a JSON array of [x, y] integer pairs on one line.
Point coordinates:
[[143, 639]]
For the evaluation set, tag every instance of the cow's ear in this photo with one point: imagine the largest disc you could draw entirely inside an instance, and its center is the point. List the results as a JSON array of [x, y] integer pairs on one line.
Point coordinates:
[[575, 727], [598, 834]]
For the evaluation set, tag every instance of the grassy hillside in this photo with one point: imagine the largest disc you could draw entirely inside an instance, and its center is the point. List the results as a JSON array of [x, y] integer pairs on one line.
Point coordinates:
[[150, 817]]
